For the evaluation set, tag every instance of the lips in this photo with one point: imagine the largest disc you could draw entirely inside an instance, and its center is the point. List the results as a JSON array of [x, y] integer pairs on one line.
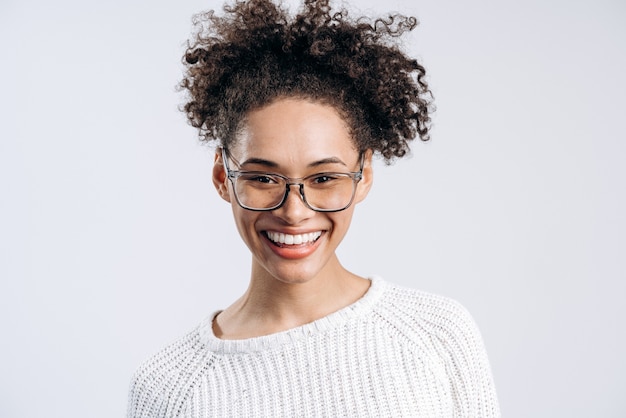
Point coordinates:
[[293, 246], [289, 239]]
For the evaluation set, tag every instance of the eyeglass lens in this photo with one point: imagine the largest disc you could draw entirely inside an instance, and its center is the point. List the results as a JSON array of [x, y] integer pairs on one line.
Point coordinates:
[[325, 191]]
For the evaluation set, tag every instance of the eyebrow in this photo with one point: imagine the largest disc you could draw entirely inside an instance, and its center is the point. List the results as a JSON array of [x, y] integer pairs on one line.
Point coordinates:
[[272, 164], [259, 161]]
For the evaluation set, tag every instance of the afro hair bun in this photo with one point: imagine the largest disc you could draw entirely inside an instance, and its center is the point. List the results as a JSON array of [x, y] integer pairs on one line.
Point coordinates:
[[256, 53]]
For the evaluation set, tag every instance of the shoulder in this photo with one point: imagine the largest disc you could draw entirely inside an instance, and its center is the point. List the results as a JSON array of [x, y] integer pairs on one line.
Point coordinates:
[[163, 383], [438, 315], [434, 322], [443, 329]]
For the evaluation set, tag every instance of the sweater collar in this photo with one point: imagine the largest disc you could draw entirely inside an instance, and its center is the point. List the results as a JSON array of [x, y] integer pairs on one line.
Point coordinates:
[[331, 321]]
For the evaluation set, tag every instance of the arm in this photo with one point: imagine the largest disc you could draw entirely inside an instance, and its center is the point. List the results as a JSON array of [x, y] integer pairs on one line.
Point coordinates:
[[467, 366]]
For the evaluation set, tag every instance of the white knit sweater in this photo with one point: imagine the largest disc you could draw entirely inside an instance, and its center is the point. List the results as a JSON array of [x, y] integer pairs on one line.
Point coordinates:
[[395, 352]]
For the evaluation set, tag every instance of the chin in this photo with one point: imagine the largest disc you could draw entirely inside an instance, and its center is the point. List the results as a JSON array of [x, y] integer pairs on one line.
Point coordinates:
[[295, 278], [294, 274]]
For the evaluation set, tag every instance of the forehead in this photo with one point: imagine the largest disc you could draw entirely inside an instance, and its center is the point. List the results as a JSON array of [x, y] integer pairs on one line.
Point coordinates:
[[294, 131]]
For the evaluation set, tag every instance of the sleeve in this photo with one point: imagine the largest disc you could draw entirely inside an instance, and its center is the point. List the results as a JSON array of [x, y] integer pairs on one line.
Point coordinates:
[[161, 387], [143, 393], [466, 363]]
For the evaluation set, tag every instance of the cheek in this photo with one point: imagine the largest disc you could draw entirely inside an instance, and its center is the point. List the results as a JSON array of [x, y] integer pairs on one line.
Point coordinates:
[[243, 221], [341, 220]]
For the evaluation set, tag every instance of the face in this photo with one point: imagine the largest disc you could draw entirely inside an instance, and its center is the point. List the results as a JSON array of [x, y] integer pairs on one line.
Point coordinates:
[[295, 138]]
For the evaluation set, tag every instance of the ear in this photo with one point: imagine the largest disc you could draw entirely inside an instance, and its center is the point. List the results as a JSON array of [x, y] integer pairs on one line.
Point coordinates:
[[220, 179], [364, 186]]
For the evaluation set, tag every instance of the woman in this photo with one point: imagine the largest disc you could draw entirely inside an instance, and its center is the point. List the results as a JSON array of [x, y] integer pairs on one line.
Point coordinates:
[[299, 105]]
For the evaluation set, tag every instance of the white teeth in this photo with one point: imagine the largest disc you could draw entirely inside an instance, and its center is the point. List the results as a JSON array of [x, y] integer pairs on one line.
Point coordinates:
[[289, 239]]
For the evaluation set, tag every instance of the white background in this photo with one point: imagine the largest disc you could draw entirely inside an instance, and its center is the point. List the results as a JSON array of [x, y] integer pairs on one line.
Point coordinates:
[[113, 242]]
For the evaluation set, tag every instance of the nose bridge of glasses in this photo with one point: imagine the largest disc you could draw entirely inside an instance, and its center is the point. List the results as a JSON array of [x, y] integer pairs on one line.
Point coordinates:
[[290, 182]]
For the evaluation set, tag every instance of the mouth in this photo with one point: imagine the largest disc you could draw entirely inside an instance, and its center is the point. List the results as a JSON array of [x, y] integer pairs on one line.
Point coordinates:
[[285, 240]]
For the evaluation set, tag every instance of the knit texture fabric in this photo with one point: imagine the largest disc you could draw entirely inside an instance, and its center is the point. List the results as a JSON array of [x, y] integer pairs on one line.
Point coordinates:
[[395, 352]]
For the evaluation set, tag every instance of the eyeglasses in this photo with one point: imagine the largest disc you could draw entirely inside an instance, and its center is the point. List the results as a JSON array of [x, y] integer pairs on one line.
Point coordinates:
[[321, 192]]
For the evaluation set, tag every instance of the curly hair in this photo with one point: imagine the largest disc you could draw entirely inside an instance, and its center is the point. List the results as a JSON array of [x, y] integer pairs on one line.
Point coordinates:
[[257, 53]]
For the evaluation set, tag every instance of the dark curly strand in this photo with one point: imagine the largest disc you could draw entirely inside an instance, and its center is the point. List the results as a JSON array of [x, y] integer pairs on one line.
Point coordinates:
[[257, 53]]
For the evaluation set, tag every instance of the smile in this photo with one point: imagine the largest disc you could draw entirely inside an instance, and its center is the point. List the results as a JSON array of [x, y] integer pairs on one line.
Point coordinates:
[[288, 239]]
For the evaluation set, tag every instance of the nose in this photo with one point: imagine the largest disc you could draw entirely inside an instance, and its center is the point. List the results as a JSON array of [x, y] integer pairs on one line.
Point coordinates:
[[294, 210]]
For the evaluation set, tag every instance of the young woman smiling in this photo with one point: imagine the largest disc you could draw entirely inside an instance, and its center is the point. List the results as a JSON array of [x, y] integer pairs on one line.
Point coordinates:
[[299, 105], [296, 275]]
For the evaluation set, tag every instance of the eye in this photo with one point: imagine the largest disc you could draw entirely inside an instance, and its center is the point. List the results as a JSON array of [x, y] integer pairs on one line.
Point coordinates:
[[323, 178], [259, 178]]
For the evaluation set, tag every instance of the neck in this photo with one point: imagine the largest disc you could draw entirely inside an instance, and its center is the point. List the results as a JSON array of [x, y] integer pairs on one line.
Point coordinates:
[[270, 305]]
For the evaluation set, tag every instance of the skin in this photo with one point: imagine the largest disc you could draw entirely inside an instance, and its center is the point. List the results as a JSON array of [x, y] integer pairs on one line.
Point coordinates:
[[294, 285]]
